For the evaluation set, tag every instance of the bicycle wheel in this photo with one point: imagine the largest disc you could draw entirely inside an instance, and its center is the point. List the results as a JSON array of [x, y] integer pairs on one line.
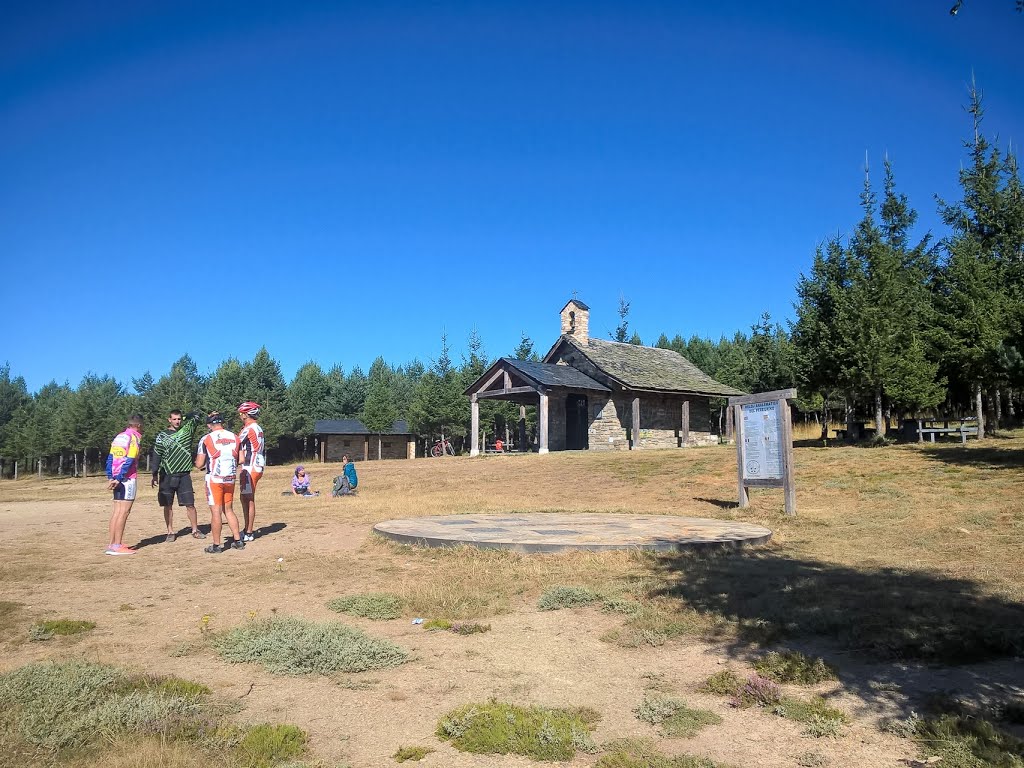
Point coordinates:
[[436, 451]]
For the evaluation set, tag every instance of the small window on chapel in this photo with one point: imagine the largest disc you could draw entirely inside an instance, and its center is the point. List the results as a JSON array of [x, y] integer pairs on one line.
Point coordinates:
[[572, 321]]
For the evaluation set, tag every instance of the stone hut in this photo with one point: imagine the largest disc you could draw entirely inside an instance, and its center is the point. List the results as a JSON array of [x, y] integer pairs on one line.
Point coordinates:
[[594, 394], [350, 436]]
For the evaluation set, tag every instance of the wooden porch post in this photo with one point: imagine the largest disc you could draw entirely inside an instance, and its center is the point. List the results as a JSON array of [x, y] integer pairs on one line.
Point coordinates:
[[474, 440], [636, 424], [522, 429], [685, 431], [542, 416]]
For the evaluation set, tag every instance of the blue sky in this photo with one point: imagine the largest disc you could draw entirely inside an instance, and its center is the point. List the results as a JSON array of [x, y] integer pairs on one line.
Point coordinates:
[[338, 181]]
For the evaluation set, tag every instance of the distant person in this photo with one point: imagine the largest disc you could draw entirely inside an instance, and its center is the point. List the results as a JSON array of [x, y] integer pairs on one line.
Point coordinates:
[[301, 482], [122, 471], [499, 446], [345, 483], [253, 459], [218, 455], [173, 463]]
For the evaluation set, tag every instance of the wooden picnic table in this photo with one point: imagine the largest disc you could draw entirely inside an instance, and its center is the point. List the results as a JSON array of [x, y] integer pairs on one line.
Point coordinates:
[[963, 428]]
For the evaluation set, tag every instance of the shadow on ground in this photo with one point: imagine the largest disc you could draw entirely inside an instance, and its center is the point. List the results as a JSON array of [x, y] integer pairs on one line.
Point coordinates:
[[989, 457], [882, 614]]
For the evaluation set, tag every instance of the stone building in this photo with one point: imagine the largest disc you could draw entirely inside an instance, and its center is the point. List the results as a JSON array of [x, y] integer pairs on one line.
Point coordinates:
[[338, 437], [593, 394]]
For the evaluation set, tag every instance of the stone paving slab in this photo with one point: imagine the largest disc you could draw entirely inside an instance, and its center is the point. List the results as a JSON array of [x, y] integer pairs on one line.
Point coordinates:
[[543, 532]]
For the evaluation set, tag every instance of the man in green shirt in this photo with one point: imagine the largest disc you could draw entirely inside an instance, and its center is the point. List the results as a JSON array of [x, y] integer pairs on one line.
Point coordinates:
[[173, 461]]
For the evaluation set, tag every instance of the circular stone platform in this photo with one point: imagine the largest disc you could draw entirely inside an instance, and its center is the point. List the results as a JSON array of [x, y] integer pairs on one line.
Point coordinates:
[[553, 532]]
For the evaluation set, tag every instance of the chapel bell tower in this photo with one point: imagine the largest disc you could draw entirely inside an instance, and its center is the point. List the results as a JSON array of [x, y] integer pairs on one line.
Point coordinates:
[[576, 320]]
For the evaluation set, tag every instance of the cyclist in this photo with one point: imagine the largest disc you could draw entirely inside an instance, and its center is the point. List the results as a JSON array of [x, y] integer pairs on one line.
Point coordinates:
[[122, 471], [218, 455], [252, 460]]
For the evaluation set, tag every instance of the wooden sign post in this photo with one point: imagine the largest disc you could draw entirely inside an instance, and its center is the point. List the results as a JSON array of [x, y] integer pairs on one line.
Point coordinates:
[[764, 444]]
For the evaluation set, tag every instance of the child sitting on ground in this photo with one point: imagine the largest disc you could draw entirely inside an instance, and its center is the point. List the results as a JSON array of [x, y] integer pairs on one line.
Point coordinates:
[[301, 482]]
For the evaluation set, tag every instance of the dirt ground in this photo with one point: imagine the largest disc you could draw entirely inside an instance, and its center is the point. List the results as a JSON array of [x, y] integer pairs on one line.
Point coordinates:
[[150, 609]]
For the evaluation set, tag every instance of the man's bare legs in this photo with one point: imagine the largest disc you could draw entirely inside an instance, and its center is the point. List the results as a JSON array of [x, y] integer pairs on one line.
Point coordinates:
[[118, 520], [215, 522], [193, 518]]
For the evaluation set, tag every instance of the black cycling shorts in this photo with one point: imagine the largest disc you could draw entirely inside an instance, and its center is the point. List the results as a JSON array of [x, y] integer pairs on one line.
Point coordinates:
[[179, 483]]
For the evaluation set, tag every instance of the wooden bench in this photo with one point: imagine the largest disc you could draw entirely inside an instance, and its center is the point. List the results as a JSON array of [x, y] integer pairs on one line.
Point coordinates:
[[492, 449]]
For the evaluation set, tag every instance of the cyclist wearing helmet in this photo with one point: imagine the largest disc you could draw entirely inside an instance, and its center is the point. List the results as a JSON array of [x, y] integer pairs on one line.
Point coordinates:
[[252, 460]]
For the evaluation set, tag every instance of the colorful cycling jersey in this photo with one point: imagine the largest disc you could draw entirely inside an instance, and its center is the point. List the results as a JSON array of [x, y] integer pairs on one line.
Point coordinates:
[[220, 448], [123, 459], [251, 448]]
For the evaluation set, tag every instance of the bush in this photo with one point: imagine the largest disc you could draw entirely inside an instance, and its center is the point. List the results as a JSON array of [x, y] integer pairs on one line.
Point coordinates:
[[794, 667], [724, 683], [411, 753], [379, 606], [74, 704], [537, 732], [760, 691], [965, 741], [674, 717], [633, 753], [289, 646], [44, 630], [266, 745], [557, 598]]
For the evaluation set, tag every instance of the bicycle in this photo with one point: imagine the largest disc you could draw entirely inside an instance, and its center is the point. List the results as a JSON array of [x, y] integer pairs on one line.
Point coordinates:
[[440, 449]]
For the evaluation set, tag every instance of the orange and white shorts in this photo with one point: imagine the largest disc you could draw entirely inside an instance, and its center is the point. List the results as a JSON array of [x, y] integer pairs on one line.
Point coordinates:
[[218, 494], [247, 479]]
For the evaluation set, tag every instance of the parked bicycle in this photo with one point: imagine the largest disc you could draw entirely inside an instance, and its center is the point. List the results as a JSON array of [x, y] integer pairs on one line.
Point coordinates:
[[441, 448]]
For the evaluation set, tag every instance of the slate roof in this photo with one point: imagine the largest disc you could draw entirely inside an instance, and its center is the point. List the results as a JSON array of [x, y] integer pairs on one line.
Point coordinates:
[[650, 368], [355, 427], [552, 375]]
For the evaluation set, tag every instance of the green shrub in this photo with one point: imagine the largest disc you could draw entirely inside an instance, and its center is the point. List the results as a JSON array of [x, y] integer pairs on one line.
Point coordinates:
[[807, 711], [674, 717], [634, 753], [557, 598], [379, 606], [964, 741], [289, 646], [44, 630], [724, 683], [435, 624], [411, 753], [794, 667], [621, 605], [469, 628], [537, 732], [74, 704], [265, 745]]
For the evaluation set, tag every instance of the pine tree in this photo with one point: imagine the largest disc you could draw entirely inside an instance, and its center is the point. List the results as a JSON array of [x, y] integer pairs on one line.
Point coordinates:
[[621, 332], [308, 396], [379, 411], [265, 385], [974, 297], [226, 390], [524, 351]]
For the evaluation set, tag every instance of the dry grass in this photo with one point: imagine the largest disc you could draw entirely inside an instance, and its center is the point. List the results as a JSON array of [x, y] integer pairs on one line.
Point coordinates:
[[905, 550]]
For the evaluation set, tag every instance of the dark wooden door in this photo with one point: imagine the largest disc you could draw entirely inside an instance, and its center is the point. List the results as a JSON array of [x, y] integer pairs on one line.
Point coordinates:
[[576, 423]]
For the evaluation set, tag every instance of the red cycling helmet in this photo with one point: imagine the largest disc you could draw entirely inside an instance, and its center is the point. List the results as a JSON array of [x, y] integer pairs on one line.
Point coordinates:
[[249, 408]]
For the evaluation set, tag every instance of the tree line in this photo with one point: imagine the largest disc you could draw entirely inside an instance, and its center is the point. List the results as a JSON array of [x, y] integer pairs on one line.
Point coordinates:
[[886, 326]]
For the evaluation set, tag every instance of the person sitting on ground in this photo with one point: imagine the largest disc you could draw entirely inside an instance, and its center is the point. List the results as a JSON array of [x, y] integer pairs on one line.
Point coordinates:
[[301, 482], [345, 483]]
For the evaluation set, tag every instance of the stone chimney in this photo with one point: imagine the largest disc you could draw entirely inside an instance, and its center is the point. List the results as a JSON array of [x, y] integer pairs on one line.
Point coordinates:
[[576, 320]]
